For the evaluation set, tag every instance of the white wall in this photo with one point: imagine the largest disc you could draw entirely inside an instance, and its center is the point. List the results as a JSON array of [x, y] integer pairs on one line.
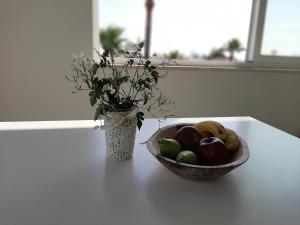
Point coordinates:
[[36, 42], [272, 97]]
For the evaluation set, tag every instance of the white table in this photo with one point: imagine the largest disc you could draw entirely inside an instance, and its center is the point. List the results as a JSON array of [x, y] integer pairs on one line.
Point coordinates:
[[56, 173]]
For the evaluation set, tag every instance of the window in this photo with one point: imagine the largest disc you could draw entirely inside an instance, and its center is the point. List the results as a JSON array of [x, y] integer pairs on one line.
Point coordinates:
[[230, 32], [264, 49]]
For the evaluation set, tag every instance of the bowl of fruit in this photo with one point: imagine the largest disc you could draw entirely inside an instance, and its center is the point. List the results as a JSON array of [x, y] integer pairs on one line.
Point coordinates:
[[201, 151]]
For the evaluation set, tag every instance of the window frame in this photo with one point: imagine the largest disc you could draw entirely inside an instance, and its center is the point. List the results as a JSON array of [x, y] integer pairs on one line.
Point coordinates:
[[256, 33]]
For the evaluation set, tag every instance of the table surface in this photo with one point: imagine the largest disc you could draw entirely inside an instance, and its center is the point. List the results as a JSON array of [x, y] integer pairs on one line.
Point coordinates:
[[57, 173]]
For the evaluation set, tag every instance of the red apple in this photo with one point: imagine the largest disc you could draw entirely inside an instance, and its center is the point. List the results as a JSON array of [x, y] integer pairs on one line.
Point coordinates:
[[188, 137], [212, 151]]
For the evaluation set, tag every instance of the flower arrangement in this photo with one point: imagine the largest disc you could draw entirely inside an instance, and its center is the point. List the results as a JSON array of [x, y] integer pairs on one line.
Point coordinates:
[[125, 87]]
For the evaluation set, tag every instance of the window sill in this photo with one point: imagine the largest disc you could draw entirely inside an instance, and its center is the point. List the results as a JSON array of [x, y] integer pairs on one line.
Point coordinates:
[[225, 67], [217, 65]]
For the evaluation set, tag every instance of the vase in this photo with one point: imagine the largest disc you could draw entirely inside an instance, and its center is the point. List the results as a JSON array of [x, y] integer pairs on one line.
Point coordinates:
[[120, 130]]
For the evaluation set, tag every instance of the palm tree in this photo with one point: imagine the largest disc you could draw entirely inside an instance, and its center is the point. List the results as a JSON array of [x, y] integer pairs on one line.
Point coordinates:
[[234, 45], [149, 7], [111, 38], [216, 53]]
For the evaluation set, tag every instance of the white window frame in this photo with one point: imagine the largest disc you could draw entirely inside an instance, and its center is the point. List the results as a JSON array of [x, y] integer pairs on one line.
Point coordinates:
[[254, 58]]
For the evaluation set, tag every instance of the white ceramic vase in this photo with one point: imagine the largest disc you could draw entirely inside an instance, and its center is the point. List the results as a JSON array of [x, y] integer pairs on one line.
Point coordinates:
[[120, 130]]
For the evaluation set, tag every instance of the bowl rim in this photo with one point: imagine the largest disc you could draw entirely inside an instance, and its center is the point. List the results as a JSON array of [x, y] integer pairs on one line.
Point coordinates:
[[244, 157]]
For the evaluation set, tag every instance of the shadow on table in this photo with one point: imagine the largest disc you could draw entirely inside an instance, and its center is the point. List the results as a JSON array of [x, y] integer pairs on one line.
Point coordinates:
[[119, 188], [184, 201]]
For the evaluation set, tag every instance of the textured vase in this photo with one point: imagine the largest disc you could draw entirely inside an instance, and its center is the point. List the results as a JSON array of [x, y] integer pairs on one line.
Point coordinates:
[[120, 130]]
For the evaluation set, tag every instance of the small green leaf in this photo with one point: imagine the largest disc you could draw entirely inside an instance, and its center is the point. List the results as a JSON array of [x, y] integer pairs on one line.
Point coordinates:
[[152, 67], [130, 62], [139, 124], [95, 80], [147, 63], [140, 118], [93, 100], [95, 68], [105, 53], [155, 75], [146, 85], [145, 99], [97, 113], [92, 93]]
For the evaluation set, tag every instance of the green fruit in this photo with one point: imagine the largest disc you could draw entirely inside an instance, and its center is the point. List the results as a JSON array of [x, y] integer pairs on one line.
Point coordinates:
[[169, 148], [187, 157]]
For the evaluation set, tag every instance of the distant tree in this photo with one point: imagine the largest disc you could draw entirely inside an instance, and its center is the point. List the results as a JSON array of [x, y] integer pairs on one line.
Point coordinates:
[[111, 38], [175, 54], [234, 45], [215, 53]]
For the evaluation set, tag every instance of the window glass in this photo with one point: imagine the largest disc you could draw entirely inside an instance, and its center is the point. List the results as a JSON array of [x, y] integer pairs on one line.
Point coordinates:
[[282, 28], [189, 29]]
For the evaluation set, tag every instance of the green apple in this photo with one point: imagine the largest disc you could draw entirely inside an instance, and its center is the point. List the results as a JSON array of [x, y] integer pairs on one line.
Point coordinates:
[[187, 157], [169, 148]]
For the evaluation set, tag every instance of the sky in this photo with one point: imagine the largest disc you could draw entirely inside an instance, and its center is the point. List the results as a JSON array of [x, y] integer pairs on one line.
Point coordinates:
[[197, 26], [282, 28]]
